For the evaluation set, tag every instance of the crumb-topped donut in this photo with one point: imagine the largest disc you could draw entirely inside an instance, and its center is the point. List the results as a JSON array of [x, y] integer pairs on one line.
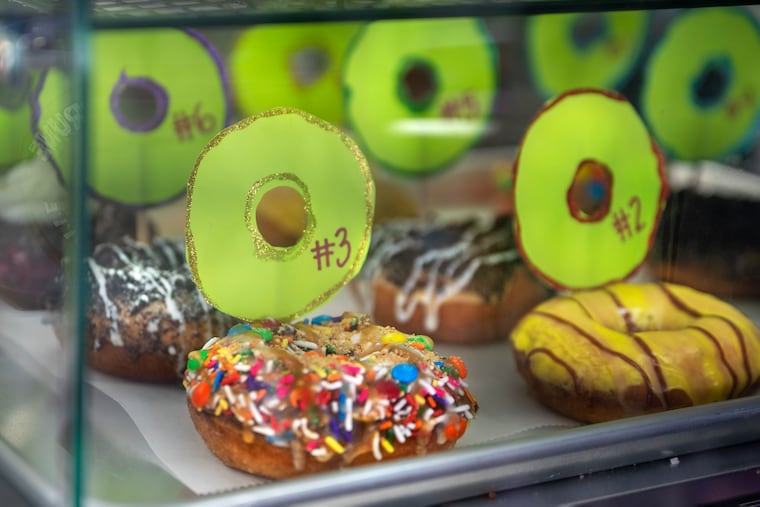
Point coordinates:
[[632, 349], [146, 313], [461, 279], [281, 400]]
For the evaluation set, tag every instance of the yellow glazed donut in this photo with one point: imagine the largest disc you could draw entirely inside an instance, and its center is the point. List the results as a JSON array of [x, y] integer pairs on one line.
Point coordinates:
[[631, 349]]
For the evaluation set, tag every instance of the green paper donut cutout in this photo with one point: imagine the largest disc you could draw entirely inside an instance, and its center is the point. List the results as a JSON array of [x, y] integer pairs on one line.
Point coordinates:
[[15, 121], [232, 264], [701, 90], [562, 247], [291, 65], [427, 97], [584, 50], [157, 96]]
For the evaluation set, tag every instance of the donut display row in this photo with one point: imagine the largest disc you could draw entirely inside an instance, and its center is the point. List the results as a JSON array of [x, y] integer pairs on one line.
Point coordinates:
[[425, 116], [416, 111], [230, 318]]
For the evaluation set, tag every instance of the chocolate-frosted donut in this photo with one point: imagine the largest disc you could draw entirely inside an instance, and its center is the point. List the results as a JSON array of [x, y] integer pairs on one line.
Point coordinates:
[[462, 280], [146, 313]]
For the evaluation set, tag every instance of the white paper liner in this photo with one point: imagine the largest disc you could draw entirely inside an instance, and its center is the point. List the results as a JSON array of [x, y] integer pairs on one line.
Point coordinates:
[[160, 412]]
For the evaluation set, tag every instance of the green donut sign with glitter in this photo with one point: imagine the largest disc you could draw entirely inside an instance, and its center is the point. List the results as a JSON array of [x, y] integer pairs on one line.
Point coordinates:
[[234, 266], [156, 99]]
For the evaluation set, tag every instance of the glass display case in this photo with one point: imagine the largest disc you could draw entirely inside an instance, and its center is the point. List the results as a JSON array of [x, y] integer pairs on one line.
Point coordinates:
[[613, 148]]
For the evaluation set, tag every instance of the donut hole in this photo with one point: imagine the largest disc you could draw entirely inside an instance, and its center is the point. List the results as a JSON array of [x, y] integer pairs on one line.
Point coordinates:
[[588, 29], [712, 83], [417, 84], [308, 65], [138, 104], [590, 193], [281, 216]]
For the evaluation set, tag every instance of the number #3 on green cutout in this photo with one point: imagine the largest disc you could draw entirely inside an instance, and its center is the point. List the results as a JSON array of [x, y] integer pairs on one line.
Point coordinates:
[[235, 266], [589, 189]]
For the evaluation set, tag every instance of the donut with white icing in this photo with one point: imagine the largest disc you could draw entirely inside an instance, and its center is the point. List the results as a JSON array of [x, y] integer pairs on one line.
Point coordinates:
[[146, 313], [460, 279], [281, 400]]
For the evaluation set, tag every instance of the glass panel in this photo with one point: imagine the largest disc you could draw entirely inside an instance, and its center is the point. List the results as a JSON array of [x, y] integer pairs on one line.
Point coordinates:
[[39, 429], [454, 106]]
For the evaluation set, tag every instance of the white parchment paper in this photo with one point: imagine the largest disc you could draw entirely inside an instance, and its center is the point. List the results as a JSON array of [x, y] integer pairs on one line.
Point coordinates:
[[160, 412]]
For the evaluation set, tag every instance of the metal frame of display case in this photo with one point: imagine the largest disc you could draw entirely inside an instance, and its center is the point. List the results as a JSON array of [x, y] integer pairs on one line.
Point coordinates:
[[457, 474]]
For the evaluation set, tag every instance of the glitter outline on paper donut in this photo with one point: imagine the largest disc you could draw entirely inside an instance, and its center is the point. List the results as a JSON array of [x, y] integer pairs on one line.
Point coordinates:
[[357, 252]]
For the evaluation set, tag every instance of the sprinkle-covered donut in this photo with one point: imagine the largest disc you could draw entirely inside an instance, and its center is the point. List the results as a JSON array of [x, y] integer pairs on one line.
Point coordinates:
[[146, 313], [631, 349], [281, 400]]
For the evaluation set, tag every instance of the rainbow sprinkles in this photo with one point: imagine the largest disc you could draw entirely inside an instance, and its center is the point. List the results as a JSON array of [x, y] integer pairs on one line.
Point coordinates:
[[332, 388]]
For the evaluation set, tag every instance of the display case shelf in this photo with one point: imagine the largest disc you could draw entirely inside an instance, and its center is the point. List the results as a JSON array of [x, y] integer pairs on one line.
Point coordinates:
[[144, 13], [121, 453]]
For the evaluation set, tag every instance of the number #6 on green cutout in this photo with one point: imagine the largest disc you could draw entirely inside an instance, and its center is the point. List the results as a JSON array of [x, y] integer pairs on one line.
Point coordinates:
[[238, 270]]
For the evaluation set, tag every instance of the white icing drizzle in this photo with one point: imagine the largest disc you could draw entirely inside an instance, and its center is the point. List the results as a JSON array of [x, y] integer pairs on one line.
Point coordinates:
[[139, 275], [439, 272], [111, 310]]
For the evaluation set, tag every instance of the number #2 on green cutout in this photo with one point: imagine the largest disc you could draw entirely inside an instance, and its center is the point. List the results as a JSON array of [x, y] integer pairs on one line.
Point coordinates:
[[235, 266], [589, 189]]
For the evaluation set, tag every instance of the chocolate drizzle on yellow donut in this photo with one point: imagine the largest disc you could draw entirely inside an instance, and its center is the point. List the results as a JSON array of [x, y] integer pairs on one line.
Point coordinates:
[[564, 364], [722, 356], [681, 305], [596, 343], [657, 369], [636, 348], [624, 312]]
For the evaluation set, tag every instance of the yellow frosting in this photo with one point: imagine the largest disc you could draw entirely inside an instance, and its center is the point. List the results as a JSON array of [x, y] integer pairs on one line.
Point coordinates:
[[663, 336]]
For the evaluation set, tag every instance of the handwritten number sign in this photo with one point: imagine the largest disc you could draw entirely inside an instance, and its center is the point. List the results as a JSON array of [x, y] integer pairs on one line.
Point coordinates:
[[427, 98], [157, 96], [232, 263], [589, 190]]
